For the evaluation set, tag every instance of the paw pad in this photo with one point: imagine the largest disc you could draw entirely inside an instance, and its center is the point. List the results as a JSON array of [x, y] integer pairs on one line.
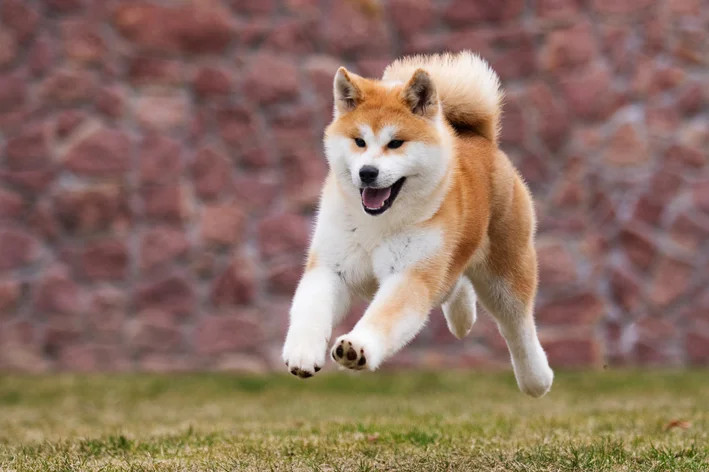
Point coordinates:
[[303, 374], [346, 355]]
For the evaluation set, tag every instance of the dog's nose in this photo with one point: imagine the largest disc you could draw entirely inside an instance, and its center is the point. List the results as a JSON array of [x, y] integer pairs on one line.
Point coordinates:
[[368, 174]]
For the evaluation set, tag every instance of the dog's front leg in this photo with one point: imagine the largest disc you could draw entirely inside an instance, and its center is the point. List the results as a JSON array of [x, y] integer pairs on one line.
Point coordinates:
[[397, 313], [320, 300]]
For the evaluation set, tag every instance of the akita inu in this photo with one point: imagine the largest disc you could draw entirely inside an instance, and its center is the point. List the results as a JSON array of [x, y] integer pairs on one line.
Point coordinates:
[[420, 209]]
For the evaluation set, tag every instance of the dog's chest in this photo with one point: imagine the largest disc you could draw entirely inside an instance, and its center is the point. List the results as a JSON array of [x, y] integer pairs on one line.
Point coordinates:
[[371, 255]]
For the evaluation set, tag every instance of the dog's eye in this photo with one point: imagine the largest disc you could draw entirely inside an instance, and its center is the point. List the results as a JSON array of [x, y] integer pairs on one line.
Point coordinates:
[[360, 142], [396, 143]]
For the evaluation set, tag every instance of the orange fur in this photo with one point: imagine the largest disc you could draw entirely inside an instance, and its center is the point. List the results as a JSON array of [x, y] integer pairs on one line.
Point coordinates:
[[450, 193]]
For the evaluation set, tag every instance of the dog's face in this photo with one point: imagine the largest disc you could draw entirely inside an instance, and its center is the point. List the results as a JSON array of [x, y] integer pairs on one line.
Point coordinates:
[[385, 144]]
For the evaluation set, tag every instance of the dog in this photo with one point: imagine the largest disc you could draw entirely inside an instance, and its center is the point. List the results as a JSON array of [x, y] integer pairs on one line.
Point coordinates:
[[420, 209]]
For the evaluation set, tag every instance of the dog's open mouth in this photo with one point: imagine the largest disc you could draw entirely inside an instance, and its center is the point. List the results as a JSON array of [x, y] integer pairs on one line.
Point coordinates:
[[378, 200]]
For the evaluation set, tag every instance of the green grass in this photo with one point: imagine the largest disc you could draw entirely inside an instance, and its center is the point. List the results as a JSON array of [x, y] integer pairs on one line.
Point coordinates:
[[600, 421]]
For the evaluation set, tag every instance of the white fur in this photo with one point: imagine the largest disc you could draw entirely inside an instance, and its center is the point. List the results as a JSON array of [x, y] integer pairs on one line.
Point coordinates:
[[320, 301], [459, 308], [466, 86], [370, 256], [534, 376]]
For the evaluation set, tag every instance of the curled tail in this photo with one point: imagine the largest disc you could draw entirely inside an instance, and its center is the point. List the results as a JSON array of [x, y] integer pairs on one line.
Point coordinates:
[[468, 89]]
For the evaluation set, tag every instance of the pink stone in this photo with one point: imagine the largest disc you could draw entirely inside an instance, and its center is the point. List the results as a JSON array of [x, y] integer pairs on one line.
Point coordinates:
[[685, 156], [107, 260], [626, 148], [556, 265], [8, 48], [57, 293], [212, 173], [20, 18], [190, 28], [222, 224], [107, 312], [256, 192], [154, 330], [638, 246], [67, 122], [514, 124], [569, 47], [173, 294], [41, 57], [147, 70], [352, 28], [254, 7], [29, 150], [83, 41], [283, 234], [109, 101], [211, 82], [552, 117], [589, 92], [162, 244], [162, 111], [18, 248], [283, 276], [558, 9], [689, 232], [296, 35], [672, 278], [12, 205], [304, 174], [160, 159], [692, 99], [64, 6], [463, 13], [649, 210], [625, 288], [236, 125], [65, 87], [94, 209], [577, 310], [625, 7], [105, 152], [697, 345], [270, 78], [411, 16], [573, 350], [236, 285], [169, 202], [690, 44], [231, 332], [10, 293], [701, 195]]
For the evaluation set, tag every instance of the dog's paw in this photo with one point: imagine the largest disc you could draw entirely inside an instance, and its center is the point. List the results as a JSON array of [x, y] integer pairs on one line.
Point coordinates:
[[355, 352], [304, 356]]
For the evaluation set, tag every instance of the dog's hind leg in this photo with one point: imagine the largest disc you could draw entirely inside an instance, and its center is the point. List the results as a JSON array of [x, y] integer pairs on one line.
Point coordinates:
[[459, 308], [509, 297]]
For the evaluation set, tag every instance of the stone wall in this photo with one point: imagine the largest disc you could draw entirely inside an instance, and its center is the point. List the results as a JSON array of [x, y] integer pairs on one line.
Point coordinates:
[[160, 162]]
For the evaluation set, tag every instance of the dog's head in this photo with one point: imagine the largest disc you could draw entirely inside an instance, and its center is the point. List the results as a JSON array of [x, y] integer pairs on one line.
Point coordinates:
[[387, 142]]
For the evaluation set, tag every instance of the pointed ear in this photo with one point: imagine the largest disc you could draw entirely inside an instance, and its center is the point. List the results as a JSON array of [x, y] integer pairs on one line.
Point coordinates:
[[347, 94], [420, 94]]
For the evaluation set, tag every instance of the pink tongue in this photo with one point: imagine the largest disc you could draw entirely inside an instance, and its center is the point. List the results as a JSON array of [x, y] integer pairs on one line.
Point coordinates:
[[374, 198]]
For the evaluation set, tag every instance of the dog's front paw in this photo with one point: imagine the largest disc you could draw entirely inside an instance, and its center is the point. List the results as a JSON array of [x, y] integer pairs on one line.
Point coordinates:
[[356, 351], [303, 355]]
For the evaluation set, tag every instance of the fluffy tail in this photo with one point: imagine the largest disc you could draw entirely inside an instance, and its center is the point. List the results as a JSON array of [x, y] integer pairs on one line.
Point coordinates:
[[468, 88]]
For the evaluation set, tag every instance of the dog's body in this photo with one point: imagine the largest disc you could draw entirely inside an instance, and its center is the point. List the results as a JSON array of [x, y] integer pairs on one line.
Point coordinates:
[[420, 209]]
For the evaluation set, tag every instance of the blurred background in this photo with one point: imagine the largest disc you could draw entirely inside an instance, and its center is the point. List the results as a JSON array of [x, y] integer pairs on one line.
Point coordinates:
[[160, 163]]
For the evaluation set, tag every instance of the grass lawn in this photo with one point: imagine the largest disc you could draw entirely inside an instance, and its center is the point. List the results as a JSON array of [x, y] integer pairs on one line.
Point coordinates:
[[610, 420]]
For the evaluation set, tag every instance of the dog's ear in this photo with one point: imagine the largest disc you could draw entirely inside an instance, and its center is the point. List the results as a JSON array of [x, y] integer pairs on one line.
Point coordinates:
[[420, 94], [347, 94]]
